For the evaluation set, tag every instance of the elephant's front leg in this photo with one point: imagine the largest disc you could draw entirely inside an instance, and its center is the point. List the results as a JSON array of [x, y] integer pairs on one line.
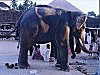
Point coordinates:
[[62, 49], [23, 54], [63, 58]]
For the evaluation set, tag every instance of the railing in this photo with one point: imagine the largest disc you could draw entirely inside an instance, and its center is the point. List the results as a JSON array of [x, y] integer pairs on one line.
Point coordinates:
[[4, 34]]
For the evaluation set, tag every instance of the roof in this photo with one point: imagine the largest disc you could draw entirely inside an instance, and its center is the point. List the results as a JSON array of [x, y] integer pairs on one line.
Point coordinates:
[[93, 22], [2, 4], [9, 16], [64, 5]]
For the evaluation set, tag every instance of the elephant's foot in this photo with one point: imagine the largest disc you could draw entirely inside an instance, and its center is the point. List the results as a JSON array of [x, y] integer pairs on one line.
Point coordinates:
[[52, 59], [62, 69], [65, 69], [73, 56], [24, 66], [57, 65], [78, 52]]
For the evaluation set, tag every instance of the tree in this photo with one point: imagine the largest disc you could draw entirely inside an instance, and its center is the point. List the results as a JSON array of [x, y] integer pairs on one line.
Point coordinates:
[[26, 4], [14, 4], [91, 14], [31, 4], [20, 7], [35, 4]]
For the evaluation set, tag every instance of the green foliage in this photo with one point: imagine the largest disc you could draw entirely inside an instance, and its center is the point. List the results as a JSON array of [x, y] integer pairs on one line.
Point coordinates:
[[14, 4], [26, 5], [20, 7], [91, 14], [31, 4]]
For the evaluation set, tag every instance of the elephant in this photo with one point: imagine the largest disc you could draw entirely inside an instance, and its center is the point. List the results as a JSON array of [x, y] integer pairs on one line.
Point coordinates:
[[42, 24]]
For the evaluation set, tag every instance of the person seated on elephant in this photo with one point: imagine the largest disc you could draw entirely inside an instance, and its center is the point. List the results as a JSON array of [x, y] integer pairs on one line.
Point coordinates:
[[37, 54]]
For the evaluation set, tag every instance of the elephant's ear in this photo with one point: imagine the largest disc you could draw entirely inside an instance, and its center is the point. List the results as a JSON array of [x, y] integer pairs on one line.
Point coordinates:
[[80, 21]]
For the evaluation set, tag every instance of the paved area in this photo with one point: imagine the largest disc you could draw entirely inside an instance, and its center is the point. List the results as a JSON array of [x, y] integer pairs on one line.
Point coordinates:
[[9, 54]]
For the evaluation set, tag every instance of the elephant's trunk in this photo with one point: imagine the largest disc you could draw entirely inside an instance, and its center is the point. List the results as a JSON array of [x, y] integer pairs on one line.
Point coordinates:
[[84, 49]]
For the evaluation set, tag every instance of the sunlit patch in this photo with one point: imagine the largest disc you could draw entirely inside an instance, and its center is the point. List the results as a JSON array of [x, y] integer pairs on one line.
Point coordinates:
[[66, 35], [36, 28], [49, 11], [60, 11], [36, 11], [81, 42], [66, 32], [62, 44], [44, 11], [45, 26]]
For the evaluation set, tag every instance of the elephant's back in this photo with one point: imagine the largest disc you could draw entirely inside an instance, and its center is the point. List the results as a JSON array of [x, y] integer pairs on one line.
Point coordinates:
[[29, 18]]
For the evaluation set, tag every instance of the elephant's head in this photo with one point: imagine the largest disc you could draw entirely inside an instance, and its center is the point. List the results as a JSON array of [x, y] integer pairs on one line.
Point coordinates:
[[79, 33], [80, 21]]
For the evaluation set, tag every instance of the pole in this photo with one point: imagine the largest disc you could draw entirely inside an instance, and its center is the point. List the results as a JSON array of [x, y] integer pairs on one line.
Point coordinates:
[[99, 64], [99, 56], [97, 30]]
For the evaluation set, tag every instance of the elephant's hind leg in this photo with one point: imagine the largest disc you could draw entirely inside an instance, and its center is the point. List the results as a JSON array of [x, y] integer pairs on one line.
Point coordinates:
[[23, 54], [23, 58]]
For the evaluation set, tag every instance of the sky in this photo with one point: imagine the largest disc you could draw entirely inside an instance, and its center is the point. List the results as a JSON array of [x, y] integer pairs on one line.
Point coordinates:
[[84, 5]]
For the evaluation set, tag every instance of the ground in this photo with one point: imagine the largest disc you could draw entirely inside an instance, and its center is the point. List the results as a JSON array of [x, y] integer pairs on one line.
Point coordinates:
[[9, 54]]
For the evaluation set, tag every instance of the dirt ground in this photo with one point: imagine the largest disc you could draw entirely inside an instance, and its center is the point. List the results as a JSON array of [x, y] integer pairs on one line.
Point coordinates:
[[83, 63]]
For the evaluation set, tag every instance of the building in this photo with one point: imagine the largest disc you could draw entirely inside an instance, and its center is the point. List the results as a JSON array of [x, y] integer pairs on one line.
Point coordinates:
[[64, 5], [4, 6]]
